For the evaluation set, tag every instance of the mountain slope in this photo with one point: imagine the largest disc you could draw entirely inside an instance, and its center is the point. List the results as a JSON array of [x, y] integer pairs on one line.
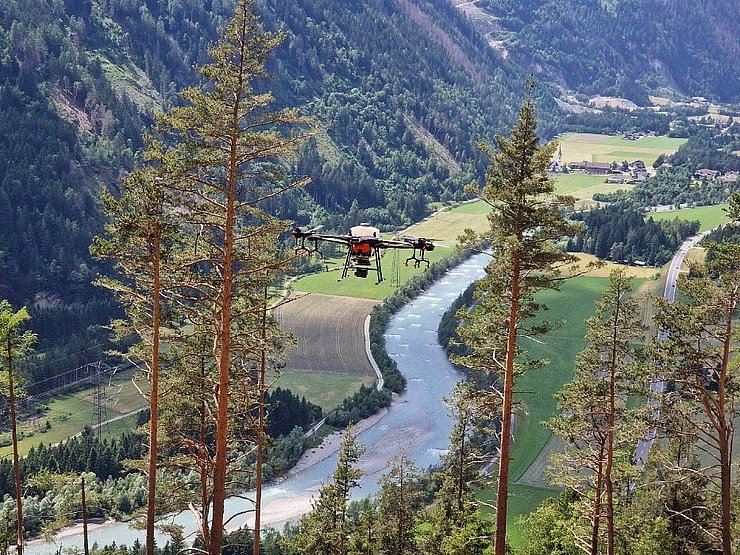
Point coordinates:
[[625, 47]]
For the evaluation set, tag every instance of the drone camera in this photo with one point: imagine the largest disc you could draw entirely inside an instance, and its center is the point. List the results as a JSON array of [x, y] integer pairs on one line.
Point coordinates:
[[361, 272]]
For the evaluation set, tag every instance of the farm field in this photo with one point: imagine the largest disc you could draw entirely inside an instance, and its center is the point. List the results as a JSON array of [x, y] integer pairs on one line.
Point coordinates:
[[330, 334], [592, 147], [708, 216], [447, 224], [584, 186]]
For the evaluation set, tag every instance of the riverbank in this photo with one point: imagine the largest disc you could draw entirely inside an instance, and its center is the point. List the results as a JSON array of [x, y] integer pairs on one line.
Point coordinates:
[[331, 445], [76, 529], [275, 512]]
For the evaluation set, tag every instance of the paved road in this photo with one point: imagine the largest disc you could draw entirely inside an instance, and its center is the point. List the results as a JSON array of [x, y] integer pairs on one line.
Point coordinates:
[[657, 384]]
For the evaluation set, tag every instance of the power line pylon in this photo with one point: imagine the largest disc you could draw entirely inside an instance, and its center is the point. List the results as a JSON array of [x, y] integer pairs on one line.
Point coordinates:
[[395, 271]]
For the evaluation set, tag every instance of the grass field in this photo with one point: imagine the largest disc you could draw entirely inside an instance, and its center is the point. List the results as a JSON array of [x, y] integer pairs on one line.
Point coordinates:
[[534, 390], [447, 224], [444, 226], [708, 216], [328, 283], [607, 148], [584, 186], [326, 390], [68, 414]]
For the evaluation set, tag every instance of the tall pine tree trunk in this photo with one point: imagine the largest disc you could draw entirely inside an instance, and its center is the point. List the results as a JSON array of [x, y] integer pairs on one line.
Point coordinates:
[[262, 388], [609, 484], [506, 416], [596, 520], [153, 397], [725, 429], [224, 367]]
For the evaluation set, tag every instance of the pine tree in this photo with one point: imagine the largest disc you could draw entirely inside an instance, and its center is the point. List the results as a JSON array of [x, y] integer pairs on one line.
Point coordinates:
[[598, 429], [140, 238], [455, 512], [222, 156], [324, 529], [525, 221], [400, 502], [14, 344]]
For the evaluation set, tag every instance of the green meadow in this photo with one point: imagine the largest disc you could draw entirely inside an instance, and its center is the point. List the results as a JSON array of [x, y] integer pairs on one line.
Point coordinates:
[[328, 282], [69, 413], [326, 390], [534, 390], [708, 216], [584, 186], [572, 305]]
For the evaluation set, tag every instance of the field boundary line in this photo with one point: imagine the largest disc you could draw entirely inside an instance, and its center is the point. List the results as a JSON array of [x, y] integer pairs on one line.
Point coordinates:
[[381, 381]]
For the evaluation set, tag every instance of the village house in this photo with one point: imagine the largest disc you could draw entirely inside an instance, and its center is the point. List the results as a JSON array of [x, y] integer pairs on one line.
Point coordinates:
[[729, 177], [705, 173], [598, 168]]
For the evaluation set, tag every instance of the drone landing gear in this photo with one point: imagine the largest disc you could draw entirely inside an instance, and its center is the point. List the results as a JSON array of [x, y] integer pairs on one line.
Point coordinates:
[[417, 261], [308, 250]]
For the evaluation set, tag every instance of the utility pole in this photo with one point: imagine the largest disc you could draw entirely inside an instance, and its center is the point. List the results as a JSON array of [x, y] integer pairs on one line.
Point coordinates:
[[84, 516]]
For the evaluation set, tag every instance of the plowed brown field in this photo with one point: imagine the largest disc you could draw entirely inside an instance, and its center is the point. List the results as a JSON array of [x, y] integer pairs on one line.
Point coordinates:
[[330, 335]]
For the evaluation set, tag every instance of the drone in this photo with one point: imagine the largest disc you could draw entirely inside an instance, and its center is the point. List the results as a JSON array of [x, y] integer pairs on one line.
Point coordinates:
[[363, 248]]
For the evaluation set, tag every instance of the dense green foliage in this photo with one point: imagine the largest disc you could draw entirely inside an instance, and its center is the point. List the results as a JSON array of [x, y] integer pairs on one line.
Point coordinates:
[[117, 498], [622, 234], [286, 411], [52, 496], [366, 402], [709, 147], [170, 548], [447, 331], [402, 88], [84, 453], [722, 234], [617, 121], [626, 47]]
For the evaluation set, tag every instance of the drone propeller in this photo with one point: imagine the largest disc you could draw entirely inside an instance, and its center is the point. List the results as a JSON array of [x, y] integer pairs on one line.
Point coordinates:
[[298, 233], [421, 243]]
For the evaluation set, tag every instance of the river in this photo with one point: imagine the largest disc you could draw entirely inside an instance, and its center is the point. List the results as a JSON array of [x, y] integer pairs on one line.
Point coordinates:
[[418, 423]]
